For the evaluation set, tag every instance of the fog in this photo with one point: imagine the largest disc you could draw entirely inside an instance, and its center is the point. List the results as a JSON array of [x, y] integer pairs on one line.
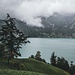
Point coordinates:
[[30, 11]]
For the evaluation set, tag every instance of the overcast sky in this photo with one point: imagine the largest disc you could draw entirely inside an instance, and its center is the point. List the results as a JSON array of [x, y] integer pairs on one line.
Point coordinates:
[[30, 10]]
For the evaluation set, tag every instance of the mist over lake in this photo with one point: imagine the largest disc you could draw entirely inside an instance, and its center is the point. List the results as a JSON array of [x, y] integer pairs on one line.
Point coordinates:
[[63, 47]]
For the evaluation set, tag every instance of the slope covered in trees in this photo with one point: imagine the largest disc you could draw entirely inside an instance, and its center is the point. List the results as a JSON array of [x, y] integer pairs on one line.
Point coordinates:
[[54, 26]]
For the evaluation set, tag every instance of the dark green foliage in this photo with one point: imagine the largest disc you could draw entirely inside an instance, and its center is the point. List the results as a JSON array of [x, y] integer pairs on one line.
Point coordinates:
[[2, 50], [40, 59], [11, 37], [16, 64], [53, 59], [44, 60], [38, 55], [72, 68], [63, 63], [32, 56]]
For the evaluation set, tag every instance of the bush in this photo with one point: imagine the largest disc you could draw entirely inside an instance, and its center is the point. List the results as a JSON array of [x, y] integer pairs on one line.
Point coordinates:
[[17, 65]]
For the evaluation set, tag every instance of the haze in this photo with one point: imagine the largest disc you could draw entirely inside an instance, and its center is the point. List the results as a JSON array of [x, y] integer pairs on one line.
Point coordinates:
[[31, 10]]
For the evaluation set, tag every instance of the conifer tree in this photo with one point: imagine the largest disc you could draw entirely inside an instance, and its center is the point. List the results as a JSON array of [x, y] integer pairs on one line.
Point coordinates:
[[62, 63], [11, 37], [38, 55], [53, 59]]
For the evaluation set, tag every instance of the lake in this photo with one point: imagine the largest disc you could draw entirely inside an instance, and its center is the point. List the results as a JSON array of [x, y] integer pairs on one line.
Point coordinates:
[[63, 47]]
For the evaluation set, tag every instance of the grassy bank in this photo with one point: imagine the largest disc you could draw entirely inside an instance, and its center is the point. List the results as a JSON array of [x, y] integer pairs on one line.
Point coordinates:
[[28, 67]]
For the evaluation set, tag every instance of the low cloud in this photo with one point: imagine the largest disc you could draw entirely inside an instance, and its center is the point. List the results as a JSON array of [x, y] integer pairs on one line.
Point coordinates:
[[31, 10]]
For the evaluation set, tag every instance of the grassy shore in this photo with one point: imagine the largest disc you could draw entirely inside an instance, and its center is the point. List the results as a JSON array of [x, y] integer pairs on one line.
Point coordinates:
[[28, 67]]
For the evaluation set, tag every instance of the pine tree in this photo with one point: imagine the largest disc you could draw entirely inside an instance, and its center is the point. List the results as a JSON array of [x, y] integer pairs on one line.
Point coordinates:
[[53, 59], [63, 63], [38, 55], [12, 38]]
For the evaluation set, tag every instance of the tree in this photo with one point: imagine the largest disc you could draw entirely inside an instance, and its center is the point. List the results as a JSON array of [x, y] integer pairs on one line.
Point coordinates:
[[59, 62], [38, 55], [12, 38], [72, 68], [71, 63], [1, 50], [53, 59], [32, 56], [43, 60], [62, 63]]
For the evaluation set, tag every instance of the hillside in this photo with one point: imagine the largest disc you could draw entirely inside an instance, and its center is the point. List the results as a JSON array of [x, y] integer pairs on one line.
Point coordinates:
[[54, 26], [29, 64], [58, 26]]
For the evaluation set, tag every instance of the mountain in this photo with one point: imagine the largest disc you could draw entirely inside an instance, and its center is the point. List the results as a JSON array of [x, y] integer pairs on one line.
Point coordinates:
[[56, 26], [60, 25]]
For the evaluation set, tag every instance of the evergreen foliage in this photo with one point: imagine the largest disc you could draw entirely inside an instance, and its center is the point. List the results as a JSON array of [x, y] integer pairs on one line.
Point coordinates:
[[38, 55], [12, 38], [53, 59], [1, 50], [62, 63], [72, 68]]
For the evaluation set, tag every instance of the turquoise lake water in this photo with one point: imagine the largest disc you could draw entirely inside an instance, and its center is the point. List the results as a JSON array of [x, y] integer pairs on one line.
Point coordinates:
[[63, 47]]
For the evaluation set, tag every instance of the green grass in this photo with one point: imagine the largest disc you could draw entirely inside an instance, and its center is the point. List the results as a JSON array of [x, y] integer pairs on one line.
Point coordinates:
[[16, 72], [30, 67]]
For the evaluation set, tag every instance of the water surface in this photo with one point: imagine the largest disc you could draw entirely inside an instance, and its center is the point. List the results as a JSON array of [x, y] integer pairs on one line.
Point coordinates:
[[63, 47]]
